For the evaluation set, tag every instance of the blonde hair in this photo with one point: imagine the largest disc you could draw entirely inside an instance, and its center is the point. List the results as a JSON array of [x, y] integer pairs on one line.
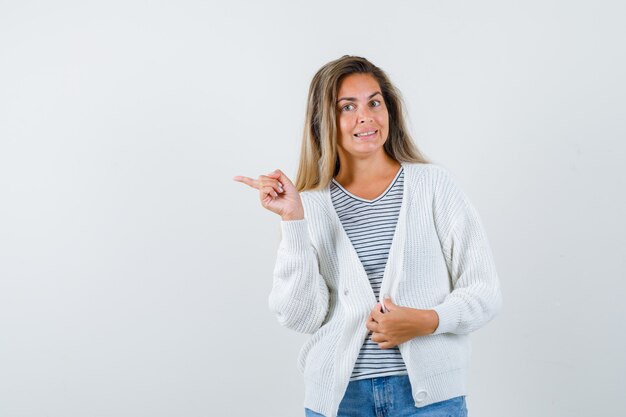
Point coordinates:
[[319, 160]]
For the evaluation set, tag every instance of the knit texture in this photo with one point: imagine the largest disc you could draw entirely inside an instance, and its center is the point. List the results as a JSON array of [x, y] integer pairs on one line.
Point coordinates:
[[439, 259]]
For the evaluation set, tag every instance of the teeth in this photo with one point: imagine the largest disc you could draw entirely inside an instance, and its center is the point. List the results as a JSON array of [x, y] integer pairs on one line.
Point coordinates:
[[366, 133]]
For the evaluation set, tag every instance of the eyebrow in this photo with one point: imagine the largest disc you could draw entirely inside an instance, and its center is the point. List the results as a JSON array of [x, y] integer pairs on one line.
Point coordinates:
[[354, 99]]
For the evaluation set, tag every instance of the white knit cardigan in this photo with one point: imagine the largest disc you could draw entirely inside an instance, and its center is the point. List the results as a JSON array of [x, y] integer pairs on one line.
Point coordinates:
[[439, 259]]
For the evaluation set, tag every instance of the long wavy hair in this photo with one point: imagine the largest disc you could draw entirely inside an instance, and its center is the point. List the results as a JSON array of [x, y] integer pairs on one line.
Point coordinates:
[[319, 159]]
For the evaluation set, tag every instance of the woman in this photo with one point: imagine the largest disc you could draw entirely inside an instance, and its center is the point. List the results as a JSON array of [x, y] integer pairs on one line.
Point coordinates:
[[383, 259]]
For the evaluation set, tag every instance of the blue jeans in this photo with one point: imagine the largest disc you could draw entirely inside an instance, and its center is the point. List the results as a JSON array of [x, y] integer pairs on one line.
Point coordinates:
[[390, 396]]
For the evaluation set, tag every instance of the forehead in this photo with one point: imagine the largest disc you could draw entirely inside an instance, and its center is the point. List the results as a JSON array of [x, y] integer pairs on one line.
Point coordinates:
[[357, 85]]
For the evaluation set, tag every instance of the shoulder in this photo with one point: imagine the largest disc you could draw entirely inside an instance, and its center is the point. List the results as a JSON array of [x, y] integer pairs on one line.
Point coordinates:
[[312, 200], [429, 168], [434, 174], [441, 183], [307, 195]]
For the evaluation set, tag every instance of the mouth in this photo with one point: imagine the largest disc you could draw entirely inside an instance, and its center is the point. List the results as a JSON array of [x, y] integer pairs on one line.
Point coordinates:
[[366, 135]]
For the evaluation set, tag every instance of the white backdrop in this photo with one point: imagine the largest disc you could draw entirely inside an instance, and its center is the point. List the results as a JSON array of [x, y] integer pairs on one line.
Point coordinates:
[[134, 272]]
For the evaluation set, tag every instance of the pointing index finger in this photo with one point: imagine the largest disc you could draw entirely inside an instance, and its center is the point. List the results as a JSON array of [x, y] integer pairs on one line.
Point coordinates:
[[246, 180]]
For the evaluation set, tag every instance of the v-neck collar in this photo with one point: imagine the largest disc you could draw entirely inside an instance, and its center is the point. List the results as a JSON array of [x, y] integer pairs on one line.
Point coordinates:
[[383, 194]]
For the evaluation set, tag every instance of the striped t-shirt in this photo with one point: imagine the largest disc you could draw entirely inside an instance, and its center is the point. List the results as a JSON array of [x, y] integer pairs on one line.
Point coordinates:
[[370, 225]]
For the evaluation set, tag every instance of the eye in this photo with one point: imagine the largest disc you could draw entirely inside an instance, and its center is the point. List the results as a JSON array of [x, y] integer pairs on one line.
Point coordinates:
[[344, 108], [378, 103]]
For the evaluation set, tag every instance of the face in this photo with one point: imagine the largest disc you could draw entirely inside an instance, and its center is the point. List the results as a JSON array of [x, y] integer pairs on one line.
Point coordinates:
[[361, 109]]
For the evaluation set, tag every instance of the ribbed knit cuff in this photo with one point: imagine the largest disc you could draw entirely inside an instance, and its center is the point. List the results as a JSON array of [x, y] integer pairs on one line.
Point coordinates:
[[449, 317], [295, 235]]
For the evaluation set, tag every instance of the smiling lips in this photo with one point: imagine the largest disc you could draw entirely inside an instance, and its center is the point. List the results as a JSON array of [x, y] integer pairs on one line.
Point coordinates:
[[365, 135]]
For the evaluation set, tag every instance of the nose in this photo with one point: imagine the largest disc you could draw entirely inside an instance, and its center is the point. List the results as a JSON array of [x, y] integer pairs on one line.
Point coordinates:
[[365, 114]]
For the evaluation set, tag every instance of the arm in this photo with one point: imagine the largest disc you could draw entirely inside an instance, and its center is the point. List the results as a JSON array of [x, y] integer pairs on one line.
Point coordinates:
[[299, 295], [476, 296]]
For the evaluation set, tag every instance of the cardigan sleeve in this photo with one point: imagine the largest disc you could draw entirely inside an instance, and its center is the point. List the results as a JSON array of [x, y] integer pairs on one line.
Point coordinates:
[[475, 297], [299, 296]]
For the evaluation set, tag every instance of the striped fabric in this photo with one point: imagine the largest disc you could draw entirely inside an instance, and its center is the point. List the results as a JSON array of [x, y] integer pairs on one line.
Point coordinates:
[[370, 225]]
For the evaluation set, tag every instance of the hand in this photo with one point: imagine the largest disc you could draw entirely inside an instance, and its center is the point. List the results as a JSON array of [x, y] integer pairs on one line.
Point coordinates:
[[277, 193], [399, 324]]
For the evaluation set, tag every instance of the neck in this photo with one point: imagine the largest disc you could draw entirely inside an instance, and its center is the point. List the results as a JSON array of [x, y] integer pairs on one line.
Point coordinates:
[[354, 170]]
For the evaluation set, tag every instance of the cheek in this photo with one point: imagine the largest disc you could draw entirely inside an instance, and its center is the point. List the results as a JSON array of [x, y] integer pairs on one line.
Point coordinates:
[[345, 126], [383, 121]]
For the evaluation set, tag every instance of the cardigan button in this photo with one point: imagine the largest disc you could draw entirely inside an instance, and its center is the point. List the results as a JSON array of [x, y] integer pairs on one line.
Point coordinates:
[[345, 292], [421, 396]]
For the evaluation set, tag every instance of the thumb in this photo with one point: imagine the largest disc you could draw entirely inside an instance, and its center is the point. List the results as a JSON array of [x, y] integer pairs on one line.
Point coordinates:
[[389, 304]]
